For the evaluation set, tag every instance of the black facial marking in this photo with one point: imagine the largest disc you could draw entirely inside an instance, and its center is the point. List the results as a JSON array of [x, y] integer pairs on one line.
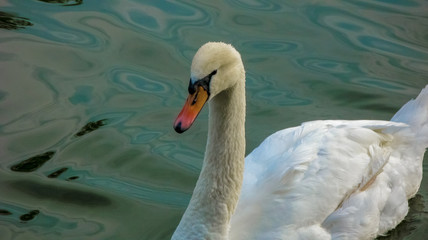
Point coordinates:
[[204, 82], [191, 88]]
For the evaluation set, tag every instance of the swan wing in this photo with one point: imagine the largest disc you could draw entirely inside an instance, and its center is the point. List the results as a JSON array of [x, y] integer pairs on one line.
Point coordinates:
[[306, 181]]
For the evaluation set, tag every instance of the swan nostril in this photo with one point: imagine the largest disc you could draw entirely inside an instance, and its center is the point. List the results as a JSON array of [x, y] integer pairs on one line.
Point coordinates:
[[195, 99]]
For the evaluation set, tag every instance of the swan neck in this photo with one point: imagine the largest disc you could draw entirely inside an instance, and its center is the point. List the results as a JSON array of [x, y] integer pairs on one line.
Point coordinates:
[[219, 185]]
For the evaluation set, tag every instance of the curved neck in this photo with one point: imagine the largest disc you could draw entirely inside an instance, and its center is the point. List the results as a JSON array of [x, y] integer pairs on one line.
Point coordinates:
[[218, 187]]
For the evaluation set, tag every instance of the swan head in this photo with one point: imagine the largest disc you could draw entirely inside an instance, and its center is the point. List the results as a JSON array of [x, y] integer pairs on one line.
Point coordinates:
[[216, 67]]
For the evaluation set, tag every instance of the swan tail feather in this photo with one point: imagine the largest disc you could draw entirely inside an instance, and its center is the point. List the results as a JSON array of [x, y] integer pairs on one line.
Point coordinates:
[[415, 114]]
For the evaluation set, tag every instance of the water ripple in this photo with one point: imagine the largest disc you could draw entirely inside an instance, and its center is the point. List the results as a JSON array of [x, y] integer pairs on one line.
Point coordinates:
[[272, 46], [388, 47], [382, 46], [61, 32], [128, 62], [326, 65], [363, 32], [380, 84], [258, 5], [48, 224], [266, 91], [135, 81], [163, 20]]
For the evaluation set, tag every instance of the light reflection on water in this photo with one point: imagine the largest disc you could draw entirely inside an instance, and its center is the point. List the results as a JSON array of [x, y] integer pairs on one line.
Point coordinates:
[[68, 66]]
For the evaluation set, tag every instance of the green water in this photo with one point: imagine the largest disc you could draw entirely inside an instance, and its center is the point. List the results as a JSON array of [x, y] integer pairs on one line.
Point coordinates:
[[89, 91]]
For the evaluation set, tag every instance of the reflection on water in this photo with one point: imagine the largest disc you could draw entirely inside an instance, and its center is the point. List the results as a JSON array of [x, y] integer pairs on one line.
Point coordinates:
[[33, 163], [89, 93], [29, 216], [5, 212], [57, 173], [64, 2], [11, 21], [91, 126]]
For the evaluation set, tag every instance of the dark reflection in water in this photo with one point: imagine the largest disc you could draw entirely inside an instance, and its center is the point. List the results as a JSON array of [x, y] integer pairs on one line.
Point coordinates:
[[33, 163], [11, 21], [4, 212], [64, 195], [64, 2], [91, 126], [72, 178], [57, 173], [29, 216]]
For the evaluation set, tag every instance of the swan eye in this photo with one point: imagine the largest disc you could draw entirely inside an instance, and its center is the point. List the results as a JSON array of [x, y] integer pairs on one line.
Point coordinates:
[[192, 87], [204, 82]]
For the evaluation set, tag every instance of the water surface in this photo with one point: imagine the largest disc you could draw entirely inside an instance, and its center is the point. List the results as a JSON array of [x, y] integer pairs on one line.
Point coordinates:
[[89, 91]]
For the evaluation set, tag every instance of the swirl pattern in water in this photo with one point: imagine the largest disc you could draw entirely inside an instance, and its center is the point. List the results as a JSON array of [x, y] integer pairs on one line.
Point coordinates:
[[90, 90]]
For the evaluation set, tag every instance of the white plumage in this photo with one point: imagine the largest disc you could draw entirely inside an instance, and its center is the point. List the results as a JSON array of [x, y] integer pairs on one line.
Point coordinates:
[[329, 179]]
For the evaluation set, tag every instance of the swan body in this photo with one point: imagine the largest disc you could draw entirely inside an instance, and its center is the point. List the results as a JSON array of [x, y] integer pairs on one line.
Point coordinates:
[[331, 179]]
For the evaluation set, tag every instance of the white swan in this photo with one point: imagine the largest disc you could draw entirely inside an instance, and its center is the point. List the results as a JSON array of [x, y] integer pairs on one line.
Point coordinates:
[[322, 180]]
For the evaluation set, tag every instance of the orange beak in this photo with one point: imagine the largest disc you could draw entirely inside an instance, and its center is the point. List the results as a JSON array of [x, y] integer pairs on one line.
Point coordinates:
[[191, 109]]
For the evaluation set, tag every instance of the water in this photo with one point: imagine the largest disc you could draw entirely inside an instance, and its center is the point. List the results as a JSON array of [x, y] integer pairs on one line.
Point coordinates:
[[89, 91]]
